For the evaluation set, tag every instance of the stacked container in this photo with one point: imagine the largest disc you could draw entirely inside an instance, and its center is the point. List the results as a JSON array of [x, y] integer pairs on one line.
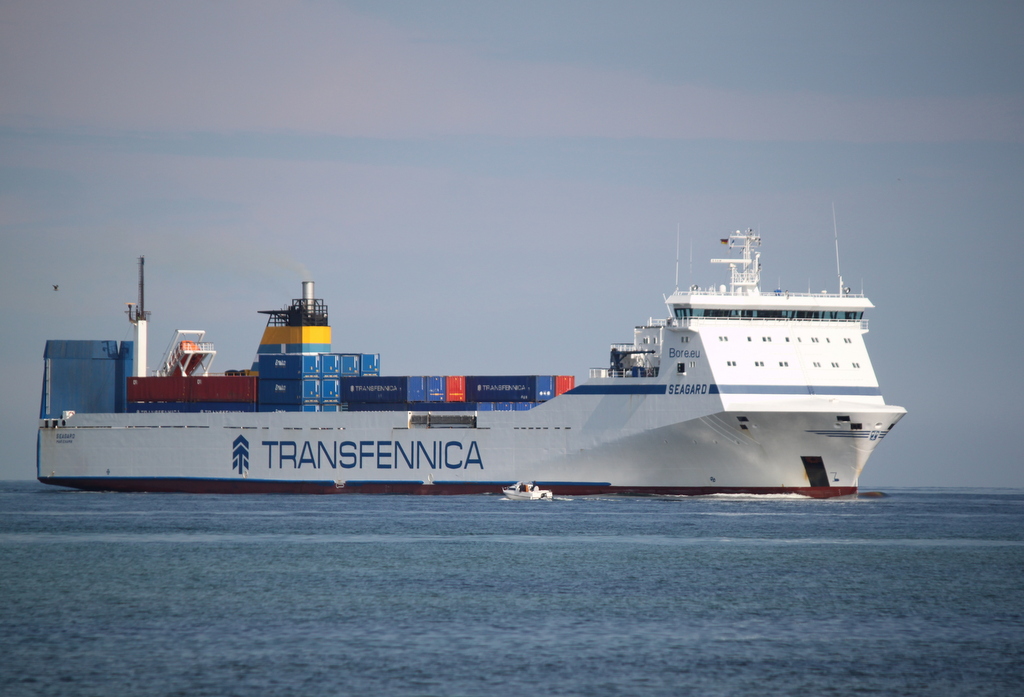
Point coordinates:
[[289, 382], [196, 393]]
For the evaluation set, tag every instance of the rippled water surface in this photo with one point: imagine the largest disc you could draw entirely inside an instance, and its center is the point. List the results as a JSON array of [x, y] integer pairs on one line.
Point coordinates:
[[920, 592]]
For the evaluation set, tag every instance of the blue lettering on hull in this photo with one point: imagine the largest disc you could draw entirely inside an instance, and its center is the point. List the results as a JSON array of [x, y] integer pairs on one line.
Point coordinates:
[[687, 388], [370, 454]]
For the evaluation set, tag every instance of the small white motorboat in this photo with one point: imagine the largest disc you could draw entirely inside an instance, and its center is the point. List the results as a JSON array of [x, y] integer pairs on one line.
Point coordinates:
[[527, 491]]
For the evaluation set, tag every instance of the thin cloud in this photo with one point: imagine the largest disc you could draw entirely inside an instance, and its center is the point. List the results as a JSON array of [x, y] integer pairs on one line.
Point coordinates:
[[323, 68]]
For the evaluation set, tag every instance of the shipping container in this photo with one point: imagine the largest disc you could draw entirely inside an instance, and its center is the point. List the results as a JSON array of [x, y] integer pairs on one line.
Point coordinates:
[[311, 365], [349, 364], [288, 366], [564, 383], [505, 388], [503, 406], [485, 406], [330, 389], [279, 392], [374, 389], [376, 406], [369, 364], [417, 389], [158, 389], [330, 365], [310, 407], [545, 387], [220, 388], [330, 407], [456, 387], [436, 391], [524, 406], [310, 389], [280, 407], [203, 388]]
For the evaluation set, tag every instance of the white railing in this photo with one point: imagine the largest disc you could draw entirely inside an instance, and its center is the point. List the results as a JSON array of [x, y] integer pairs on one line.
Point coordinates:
[[742, 292], [699, 321]]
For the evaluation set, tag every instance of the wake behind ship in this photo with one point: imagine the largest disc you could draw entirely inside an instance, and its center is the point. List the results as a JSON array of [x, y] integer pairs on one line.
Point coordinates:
[[735, 391]]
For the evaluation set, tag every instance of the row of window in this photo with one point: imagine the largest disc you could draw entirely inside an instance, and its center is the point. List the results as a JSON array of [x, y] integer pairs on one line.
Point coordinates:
[[768, 339], [785, 364], [682, 312]]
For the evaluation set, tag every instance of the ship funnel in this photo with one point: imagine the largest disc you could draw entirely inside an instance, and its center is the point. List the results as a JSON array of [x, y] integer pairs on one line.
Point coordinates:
[[307, 291]]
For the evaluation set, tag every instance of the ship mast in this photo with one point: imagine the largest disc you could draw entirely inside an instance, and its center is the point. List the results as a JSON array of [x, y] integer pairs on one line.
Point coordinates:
[[745, 272], [139, 317]]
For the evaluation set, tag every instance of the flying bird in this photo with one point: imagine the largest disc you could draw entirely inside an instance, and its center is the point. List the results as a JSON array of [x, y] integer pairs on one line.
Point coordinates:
[[56, 287]]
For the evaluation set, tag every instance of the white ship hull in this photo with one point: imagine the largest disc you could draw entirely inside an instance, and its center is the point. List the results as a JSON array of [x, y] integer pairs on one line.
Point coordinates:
[[574, 444]]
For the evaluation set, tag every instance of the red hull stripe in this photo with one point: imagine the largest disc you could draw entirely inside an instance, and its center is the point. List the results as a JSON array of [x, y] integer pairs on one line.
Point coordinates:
[[255, 486]]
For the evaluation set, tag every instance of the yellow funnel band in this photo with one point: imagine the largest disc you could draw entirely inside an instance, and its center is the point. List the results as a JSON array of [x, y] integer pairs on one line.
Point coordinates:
[[296, 335]]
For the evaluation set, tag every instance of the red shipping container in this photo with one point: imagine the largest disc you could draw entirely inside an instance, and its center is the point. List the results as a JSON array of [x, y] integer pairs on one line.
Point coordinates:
[[169, 389], [564, 383], [222, 388], [456, 385]]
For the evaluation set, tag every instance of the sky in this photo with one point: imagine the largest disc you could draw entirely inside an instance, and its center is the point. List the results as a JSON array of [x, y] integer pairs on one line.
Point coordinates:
[[498, 187]]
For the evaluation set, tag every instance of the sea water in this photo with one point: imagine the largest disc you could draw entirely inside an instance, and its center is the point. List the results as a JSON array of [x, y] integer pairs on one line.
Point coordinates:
[[919, 592]]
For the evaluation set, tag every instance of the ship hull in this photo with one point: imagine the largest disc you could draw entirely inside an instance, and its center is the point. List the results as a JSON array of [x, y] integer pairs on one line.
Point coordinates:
[[574, 445]]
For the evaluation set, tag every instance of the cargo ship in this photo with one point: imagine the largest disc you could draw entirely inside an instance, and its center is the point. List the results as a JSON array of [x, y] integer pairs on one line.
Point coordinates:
[[735, 391]]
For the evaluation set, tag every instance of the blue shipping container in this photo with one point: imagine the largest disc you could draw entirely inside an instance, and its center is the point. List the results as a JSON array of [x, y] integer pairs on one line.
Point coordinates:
[[288, 366], [330, 407], [310, 389], [436, 388], [524, 406], [374, 389], [280, 391], [349, 364], [310, 407], [369, 364], [545, 387], [330, 389], [503, 388], [417, 389], [485, 406], [311, 365], [330, 365], [280, 407], [376, 406]]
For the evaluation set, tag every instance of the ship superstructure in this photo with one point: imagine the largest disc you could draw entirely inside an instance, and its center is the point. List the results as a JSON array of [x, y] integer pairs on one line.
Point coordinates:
[[735, 391]]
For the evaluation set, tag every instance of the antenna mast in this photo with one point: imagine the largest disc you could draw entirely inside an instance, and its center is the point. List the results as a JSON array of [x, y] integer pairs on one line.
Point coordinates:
[[139, 316], [677, 257], [835, 229]]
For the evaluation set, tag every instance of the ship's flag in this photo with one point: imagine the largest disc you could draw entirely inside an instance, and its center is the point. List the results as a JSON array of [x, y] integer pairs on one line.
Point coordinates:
[[725, 241]]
